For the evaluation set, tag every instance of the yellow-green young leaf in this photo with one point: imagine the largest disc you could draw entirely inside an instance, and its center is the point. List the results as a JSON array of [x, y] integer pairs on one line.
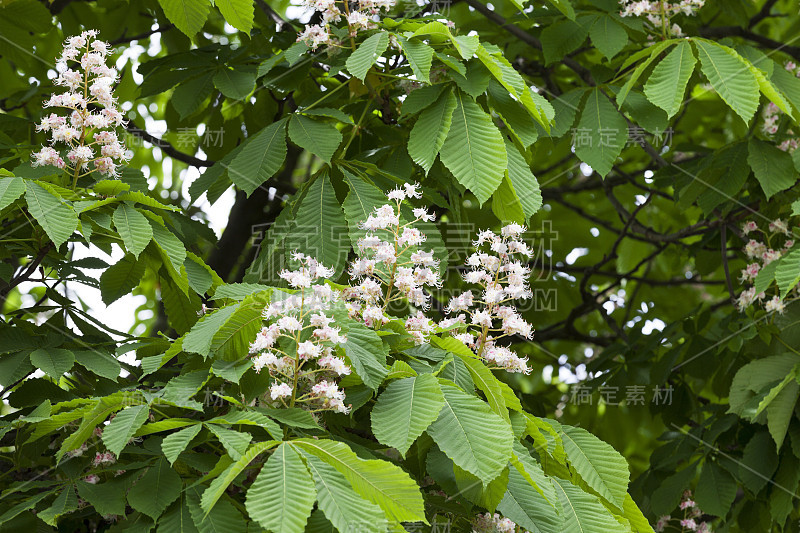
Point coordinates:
[[283, 494], [220, 484], [471, 435], [633, 514], [420, 57], [57, 218], [154, 491], [716, 489], [10, 190], [525, 184], [474, 151], [772, 167], [405, 409], [122, 428], [608, 35], [730, 77], [774, 94], [652, 53], [598, 463], [380, 482], [367, 54], [260, 158], [188, 15], [133, 227], [238, 13], [174, 443], [582, 512], [342, 507], [466, 45], [430, 131], [506, 205], [55, 362], [523, 504], [666, 85], [320, 138], [601, 133], [66, 502]]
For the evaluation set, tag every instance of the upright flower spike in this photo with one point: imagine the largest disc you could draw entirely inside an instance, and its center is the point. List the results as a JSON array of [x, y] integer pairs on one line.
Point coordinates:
[[88, 131]]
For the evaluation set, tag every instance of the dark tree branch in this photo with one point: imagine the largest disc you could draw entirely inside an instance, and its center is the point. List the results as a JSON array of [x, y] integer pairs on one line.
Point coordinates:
[[167, 148]]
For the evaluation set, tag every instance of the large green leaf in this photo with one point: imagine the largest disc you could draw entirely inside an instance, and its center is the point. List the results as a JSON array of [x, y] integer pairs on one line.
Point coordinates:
[[56, 217], [320, 138], [652, 53], [608, 35], [730, 77], [122, 428], [55, 362], [260, 158], [359, 204], [10, 190], [174, 443], [525, 184], [367, 54], [716, 490], [523, 504], [469, 433], [405, 409], [597, 462], [380, 482], [238, 13], [154, 491], [430, 131], [320, 229], [234, 442], [220, 484], [667, 84], [474, 151], [234, 336], [772, 167], [342, 507], [188, 15], [66, 502], [223, 518], [582, 512], [178, 518], [519, 122], [563, 37], [133, 227], [601, 133], [283, 494], [419, 56], [200, 337], [366, 352]]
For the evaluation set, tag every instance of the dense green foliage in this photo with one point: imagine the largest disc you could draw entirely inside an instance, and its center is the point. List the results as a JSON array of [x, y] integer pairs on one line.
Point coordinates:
[[650, 168]]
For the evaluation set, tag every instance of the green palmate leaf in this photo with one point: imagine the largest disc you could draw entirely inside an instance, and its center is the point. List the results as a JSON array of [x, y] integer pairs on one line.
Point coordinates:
[[466, 45], [180, 308], [519, 122], [730, 77], [380, 482], [188, 15], [106, 498], [188, 96], [342, 507], [430, 131], [469, 433], [525, 184], [405, 410], [100, 362], [133, 227], [66, 502], [220, 484], [330, 112], [153, 492], [716, 490], [238, 13], [782, 502], [178, 518], [483, 378], [420, 57], [523, 504], [608, 35], [260, 158], [633, 514], [652, 53], [101, 409], [199, 339], [367, 54], [563, 37], [474, 151], [359, 204], [598, 463], [506, 204], [174, 444], [235, 442], [55, 362], [283, 494], [533, 474], [759, 462], [366, 352], [235, 83], [421, 98], [476, 79], [772, 167], [320, 138], [120, 430], [582, 512], [57, 218], [10, 190], [471, 488], [565, 7], [319, 228], [601, 133], [234, 337], [666, 85], [223, 518]]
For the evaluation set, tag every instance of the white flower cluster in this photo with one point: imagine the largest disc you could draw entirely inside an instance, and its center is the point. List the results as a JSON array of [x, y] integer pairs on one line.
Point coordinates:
[[659, 13], [493, 523], [502, 278], [772, 115], [761, 254], [392, 266], [364, 17], [299, 334], [89, 132]]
